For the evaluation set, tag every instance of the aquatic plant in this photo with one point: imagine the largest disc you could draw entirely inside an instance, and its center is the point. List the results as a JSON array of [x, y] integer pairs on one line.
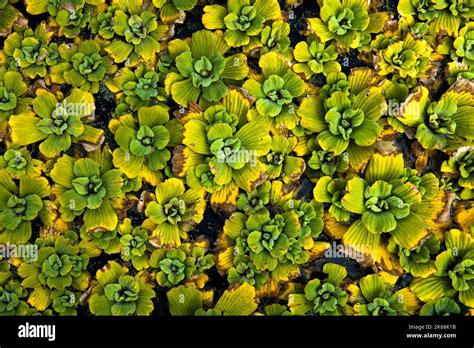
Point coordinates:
[[117, 293], [173, 9], [174, 211], [275, 90], [83, 66], [323, 298], [454, 275], [319, 156], [203, 68], [61, 265], [57, 124], [243, 20], [142, 148], [13, 90], [441, 124], [346, 22], [20, 204], [137, 30], [460, 165], [82, 187], [372, 298], [314, 57], [235, 301], [344, 124], [32, 51]]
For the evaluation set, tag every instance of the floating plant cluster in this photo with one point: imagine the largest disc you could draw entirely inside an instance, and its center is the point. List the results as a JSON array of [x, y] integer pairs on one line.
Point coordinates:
[[239, 157]]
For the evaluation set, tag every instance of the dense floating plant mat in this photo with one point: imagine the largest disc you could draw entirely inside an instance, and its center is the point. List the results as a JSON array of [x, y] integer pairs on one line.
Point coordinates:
[[239, 157]]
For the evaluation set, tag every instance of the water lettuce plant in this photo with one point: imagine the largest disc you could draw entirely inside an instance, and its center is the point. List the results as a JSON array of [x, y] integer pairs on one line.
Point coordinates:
[[203, 68], [82, 66], [236, 158], [61, 265], [344, 123], [142, 148], [174, 211], [275, 37], [137, 30], [18, 162], [82, 187], [387, 200], [460, 166], [235, 301], [243, 20], [234, 151], [185, 264], [275, 90], [134, 244], [171, 10], [57, 124], [373, 297], [140, 86], [8, 14], [32, 51], [323, 298], [328, 163], [346, 22], [442, 124], [117, 293], [12, 296], [444, 306], [441, 16], [314, 57], [276, 243], [409, 57], [280, 163], [13, 94], [454, 276], [21, 202]]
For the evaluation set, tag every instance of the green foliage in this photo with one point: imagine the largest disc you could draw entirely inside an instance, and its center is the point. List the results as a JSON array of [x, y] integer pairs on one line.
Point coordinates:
[[174, 211], [61, 265], [20, 163], [345, 22], [118, 293], [243, 20], [82, 187], [315, 58], [137, 32], [83, 66], [184, 264], [409, 57], [461, 166], [454, 271], [236, 301], [141, 87], [142, 148], [142, 143], [372, 298], [13, 94], [172, 10], [11, 299], [202, 68], [57, 124], [32, 51], [21, 202], [323, 298], [234, 152], [275, 90]]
